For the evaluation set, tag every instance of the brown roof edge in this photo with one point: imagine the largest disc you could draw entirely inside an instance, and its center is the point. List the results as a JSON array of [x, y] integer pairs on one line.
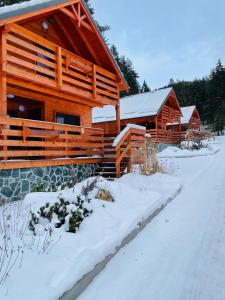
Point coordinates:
[[46, 7]]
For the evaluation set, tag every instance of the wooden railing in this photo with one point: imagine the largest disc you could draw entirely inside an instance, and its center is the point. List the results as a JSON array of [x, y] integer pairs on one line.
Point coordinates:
[[33, 58], [164, 136], [28, 139], [170, 114], [132, 139]]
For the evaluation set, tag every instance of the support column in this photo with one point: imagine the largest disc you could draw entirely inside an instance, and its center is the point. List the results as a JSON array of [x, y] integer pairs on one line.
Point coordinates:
[[180, 130], [3, 80], [156, 128], [118, 123]]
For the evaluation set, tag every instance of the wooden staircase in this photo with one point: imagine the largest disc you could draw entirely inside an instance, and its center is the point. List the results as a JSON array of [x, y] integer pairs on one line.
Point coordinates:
[[107, 168], [117, 159]]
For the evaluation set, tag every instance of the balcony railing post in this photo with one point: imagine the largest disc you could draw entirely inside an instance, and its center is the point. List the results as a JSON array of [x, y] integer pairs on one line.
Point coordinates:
[[59, 67], [3, 79], [94, 81]]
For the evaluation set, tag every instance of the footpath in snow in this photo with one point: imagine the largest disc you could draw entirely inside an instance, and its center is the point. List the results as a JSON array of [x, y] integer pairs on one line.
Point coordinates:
[[181, 253]]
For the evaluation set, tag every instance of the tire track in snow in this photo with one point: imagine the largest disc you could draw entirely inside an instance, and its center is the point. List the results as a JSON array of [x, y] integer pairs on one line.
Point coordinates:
[[181, 254]]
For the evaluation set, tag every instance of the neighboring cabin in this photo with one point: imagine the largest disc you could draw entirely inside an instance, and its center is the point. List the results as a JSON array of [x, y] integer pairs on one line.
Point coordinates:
[[154, 110], [55, 67], [190, 121], [191, 118]]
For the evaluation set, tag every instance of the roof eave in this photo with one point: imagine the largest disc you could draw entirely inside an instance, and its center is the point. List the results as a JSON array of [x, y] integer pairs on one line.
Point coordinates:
[[48, 6]]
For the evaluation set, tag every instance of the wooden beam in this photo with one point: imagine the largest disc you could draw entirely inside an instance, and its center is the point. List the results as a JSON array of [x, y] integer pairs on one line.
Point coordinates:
[[94, 82], [3, 79], [52, 93], [156, 127], [59, 68], [118, 124], [50, 8], [67, 35], [82, 35], [47, 163], [80, 18]]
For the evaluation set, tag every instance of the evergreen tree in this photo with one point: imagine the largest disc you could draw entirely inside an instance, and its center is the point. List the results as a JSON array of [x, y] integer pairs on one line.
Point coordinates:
[[216, 98], [145, 88], [171, 82], [102, 28], [208, 94], [10, 2], [130, 75]]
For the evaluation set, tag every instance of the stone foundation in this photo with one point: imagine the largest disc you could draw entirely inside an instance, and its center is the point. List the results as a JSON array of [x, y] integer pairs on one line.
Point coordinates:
[[16, 183]]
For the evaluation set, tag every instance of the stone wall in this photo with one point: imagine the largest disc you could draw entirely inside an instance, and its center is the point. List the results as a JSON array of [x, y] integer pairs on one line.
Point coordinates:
[[16, 183]]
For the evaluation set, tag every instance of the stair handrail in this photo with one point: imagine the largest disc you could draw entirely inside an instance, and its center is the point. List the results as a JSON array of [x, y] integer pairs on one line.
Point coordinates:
[[124, 137]]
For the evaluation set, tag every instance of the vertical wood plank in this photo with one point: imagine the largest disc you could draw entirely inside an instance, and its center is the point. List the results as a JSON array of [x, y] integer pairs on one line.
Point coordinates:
[[156, 128], [118, 121], [94, 81], [3, 81], [59, 67]]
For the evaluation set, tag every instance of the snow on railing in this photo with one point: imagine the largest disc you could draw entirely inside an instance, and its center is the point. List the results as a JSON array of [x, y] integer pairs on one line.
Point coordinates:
[[124, 131]]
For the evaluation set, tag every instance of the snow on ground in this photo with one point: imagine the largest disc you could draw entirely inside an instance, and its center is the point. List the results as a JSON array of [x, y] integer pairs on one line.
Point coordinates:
[[181, 253], [47, 276], [211, 147]]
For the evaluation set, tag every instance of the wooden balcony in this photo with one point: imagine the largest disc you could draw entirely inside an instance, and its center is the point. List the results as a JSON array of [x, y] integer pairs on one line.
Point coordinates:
[[164, 136], [34, 63], [28, 143]]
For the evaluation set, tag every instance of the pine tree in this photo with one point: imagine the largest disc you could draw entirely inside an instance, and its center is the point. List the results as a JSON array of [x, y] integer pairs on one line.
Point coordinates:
[[145, 88], [171, 82], [10, 2], [127, 68], [208, 94], [102, 28], [216, 98]]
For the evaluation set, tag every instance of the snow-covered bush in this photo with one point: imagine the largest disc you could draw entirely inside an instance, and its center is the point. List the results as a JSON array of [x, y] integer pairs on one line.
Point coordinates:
[[193, 145], [52, 187], [167, 166], [70, 214], [67, 213]]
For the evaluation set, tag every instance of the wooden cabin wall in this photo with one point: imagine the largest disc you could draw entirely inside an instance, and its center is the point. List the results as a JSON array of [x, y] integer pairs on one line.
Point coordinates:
[[110, 127], [51, 108]]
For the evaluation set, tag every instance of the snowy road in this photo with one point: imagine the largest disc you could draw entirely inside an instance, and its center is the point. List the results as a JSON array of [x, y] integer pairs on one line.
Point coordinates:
[[181, 254]]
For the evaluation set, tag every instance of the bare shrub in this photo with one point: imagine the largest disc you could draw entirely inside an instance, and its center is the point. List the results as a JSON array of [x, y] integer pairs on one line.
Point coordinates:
[[16, 239]]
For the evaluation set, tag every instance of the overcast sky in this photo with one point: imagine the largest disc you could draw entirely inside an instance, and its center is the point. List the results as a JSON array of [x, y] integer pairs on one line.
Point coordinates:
[[166, 38]]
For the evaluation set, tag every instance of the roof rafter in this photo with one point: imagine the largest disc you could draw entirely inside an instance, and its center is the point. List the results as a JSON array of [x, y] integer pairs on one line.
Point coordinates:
[[77, 16], [69, 38], [82, 35]]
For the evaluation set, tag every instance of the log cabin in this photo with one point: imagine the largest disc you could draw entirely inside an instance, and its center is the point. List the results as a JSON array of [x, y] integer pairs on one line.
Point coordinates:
[[191, 118], [155, 110], [190, 121], [55, 67]]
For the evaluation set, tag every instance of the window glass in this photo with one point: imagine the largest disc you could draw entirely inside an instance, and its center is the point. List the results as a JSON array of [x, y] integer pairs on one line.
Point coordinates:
[[67, 119]]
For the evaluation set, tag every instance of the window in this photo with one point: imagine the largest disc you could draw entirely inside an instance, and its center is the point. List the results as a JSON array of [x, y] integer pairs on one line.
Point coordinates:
[[67, 119]]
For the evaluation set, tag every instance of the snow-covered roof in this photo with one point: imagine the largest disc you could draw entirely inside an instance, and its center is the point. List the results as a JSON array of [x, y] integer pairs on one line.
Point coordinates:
[[187, 112], [141, 105], [27, 7]]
